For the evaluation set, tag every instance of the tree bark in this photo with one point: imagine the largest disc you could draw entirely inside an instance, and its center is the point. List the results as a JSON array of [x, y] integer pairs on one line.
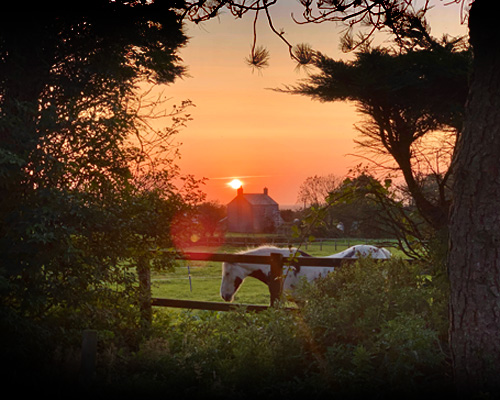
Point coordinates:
[[474, 256]]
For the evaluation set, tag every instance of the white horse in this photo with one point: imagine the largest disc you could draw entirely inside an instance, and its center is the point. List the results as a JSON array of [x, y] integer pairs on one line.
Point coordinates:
[[233, 274], [363, 250]]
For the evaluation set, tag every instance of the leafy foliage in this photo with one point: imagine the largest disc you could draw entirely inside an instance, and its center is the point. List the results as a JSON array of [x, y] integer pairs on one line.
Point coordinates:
[[369, 327], [381, 207], [406, 96], [82, 202]]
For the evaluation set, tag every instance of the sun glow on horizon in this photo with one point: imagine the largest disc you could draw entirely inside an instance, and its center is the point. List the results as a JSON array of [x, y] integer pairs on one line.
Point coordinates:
[[235, 183]]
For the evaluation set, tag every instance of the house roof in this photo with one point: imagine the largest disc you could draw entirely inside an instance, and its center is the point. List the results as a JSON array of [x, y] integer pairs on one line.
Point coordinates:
[[260, 199]]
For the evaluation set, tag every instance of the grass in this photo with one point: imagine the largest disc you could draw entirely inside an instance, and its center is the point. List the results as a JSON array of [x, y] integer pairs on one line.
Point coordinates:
[[205, 283], [205, 277]]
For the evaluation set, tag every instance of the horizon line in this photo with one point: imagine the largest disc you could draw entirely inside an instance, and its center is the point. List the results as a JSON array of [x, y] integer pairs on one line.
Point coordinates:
[[242, 177]]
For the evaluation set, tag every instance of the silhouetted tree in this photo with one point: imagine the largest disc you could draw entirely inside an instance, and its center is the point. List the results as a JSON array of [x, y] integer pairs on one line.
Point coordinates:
[[405, 97], [315, 189], [210, 216], [335, 201], [75, 216]]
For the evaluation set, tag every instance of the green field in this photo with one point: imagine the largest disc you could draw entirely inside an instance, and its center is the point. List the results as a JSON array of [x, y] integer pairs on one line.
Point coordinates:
[[205, 277]]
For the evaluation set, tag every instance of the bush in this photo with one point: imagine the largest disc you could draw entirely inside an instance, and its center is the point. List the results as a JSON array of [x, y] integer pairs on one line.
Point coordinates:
[[380, 325], [223, 354], [372, 327]]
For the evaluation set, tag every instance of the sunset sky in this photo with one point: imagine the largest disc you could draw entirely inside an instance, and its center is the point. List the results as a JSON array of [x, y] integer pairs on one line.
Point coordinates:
[[240, 129]]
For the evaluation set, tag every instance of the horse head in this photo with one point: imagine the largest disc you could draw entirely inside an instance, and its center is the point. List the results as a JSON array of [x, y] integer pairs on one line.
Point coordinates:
[[233, 274], [232, 277]]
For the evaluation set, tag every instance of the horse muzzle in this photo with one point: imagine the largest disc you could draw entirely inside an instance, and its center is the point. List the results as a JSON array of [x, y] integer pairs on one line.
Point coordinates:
[[226, 296]]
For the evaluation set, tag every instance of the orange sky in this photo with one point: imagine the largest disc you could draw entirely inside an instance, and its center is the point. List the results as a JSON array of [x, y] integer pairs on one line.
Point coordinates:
[[240, 129]]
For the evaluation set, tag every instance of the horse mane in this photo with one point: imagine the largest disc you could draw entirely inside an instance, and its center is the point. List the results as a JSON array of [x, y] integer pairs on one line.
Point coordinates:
[[261, 249], [269, 249]]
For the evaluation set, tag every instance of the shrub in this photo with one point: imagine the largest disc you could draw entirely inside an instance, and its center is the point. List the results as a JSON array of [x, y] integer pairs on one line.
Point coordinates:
[[380, 325], [371, 327]]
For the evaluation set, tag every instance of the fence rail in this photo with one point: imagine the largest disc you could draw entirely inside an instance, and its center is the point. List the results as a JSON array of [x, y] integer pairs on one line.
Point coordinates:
[[250, 241], [254, 259], [207, 305]]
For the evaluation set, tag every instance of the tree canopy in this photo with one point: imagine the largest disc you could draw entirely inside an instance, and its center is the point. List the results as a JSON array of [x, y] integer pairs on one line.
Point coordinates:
[[404, 96], [80, 207]]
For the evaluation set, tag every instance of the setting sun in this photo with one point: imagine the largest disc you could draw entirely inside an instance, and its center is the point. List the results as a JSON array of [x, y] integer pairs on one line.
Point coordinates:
[[235, 183]]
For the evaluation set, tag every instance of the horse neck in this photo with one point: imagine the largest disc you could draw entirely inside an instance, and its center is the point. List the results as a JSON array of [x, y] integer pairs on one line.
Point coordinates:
[[260, 272], [251, 268]]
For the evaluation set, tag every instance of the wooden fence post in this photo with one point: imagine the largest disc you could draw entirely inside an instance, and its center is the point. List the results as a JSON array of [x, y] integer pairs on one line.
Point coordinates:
[[276, 281], [88, 356], [145, 301]]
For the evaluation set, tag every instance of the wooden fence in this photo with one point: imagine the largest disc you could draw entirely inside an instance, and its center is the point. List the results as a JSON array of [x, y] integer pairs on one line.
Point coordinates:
[[284, 241], [275, 260]]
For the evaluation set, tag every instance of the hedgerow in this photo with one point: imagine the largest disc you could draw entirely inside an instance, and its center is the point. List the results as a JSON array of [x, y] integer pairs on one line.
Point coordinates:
[[369, 328]]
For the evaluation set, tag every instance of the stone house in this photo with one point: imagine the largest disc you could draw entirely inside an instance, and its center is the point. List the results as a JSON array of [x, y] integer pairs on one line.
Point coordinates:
[[253, 213]]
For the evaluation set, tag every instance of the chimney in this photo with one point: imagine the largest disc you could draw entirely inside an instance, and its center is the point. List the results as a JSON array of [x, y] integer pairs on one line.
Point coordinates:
[[265, 191], [240, 191]]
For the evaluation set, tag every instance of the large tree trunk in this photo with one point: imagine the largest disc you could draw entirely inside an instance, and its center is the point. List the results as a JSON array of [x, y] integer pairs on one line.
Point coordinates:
[[474, 258]]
